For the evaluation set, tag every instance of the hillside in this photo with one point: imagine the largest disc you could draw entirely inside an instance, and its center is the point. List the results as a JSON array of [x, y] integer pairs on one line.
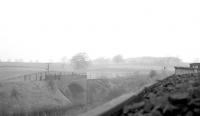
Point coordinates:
[[30, 96], [177, 95], [101, 91], [68, 95]]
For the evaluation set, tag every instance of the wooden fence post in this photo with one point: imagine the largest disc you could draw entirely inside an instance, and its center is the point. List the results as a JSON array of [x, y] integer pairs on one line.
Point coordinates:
[[40, 77], [36, 76], [24, 77]]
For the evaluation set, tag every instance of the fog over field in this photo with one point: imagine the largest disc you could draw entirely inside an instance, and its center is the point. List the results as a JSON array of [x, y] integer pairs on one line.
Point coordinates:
[[65, 58]]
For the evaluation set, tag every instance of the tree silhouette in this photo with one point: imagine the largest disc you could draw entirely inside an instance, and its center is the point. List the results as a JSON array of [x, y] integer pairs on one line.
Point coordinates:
[[118, 59], [80, 61]]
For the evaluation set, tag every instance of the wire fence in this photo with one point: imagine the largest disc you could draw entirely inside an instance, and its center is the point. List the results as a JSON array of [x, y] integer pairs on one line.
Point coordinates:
[[95, 75], [45, 75]]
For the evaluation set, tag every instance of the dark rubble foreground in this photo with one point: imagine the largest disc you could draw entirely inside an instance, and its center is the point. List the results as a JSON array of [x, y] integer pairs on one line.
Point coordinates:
[[177, 95]]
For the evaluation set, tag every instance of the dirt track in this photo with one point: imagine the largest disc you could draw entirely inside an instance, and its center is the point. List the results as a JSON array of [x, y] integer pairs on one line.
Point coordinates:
[[177, 95]]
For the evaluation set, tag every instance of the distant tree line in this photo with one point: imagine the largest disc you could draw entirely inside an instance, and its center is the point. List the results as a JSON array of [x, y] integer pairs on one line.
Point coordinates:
[[82, 61]]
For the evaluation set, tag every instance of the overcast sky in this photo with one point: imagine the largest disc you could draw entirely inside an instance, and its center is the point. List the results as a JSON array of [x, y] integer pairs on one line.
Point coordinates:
[[51, 29]]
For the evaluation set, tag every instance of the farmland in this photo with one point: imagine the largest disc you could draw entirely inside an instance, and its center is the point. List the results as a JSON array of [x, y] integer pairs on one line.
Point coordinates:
[[29, 96]]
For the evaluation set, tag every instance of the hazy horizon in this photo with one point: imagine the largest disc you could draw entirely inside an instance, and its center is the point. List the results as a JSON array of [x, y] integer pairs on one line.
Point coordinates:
[[48, 30], [107, 59]]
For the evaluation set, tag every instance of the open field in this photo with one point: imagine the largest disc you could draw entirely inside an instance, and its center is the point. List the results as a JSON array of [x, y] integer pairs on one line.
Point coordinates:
[[9, 70]]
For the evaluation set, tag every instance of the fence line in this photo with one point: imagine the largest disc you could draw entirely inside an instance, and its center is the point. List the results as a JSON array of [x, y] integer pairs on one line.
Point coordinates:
[[45, 75], [94, 75]]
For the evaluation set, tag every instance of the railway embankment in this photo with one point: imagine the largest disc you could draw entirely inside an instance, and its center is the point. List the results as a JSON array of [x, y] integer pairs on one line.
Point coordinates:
[[176, 95]]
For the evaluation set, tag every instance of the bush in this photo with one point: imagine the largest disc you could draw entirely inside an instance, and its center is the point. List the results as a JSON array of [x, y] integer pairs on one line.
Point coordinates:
[[152, 73], [51, 82], [14, 93]]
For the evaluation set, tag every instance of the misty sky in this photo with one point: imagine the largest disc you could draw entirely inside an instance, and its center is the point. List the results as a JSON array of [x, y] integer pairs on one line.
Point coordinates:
[[51, 29]]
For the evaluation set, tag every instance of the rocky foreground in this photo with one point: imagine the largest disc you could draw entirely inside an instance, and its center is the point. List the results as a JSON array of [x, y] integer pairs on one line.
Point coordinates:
[[177, 95]]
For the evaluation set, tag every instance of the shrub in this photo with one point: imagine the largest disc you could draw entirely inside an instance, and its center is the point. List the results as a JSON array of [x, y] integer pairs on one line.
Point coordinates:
[[152, 73], [14, 93], [51, 82]]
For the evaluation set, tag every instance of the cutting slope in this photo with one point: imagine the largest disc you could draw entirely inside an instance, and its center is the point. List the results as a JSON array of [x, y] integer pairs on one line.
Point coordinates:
[[30, 96], [173, 96]]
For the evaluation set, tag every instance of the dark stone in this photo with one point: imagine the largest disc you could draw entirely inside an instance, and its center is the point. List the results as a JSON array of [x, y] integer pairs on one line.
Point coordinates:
[[138, 105], [182, 86], [127, 109], [196, 92], [139, 114], [179, 98], [184, 109], [161, 102], [194, 103], [148, 106], [131, 114], [132, 108], [189, 113], [197, 110], [155, 113], [169, 108], [151, 95], [195, 84], [172, 96]]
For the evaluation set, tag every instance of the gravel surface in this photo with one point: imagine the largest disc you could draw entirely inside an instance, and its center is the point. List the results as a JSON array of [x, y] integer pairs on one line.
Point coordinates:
[[177, 95]]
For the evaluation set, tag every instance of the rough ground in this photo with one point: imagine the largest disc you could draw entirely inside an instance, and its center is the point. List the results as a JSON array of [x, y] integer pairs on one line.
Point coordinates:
[[29, 96], [177, 95]]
